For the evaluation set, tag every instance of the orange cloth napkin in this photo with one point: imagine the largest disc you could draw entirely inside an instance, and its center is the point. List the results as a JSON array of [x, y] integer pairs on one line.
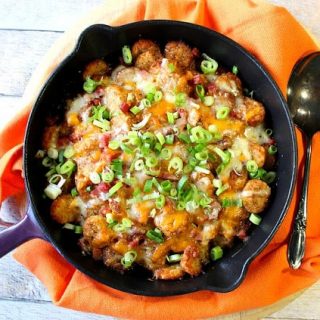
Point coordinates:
[[277, 40]]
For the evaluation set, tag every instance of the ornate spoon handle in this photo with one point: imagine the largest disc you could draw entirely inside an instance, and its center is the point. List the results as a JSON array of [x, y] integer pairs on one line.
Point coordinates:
[[297, 241]]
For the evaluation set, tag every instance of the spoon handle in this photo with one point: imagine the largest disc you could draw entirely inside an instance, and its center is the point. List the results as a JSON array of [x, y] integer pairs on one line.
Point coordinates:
[[297, 241]]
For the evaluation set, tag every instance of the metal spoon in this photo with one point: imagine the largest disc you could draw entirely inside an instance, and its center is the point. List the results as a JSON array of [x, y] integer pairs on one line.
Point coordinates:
[[304, 104]]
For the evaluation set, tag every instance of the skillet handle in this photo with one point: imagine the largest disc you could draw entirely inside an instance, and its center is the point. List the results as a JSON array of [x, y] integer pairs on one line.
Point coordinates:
[[23, 231]]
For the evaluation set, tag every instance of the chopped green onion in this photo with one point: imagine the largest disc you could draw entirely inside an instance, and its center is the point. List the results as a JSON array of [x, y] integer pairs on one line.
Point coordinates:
[[74, 192], [235, 70], [153, 213], [95, 177], [109, 218], [222, 112], [184, 137], [68, 152], [40, 154], [258, 174], [61, 157], [202, 170], [89, 188], [103, 124], [165, 154], [151, 196], [90, 85], [158, 147], [203, 155], [145, 103], [150, 96], [200, 91], [47, 162], [53, 153], [171, 67], [136, 109], [222, 189], [224, 155], [158, 96], [126, 54], [148, 185], [52, 191], [127, 223], [269, 177], [182, 182], [68, 167], [217, 183], [128, 258], [226, 202], [170, 117], [209, 66], [151, 161], [107, 175], [269, 132], [116, 167], [200, 135], [255, 219], [191, 206], [176, 164], [272, 150], [208, 101], [78, 230], [252, 166], [166, 185], [161, 138], [118, 227], [69, 226], [114, 145], [139, 165], [216, 253], [115, 188], [155, 235], [169, 139], [160, 201], [174, 258], [125, 148], [180, 99], [181, 205]]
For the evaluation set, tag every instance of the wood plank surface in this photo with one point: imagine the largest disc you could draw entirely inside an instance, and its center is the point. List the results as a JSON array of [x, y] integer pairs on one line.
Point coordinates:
[[27, 30]]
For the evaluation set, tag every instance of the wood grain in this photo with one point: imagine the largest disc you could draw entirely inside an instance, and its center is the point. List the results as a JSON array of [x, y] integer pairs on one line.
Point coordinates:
[[27, 30]]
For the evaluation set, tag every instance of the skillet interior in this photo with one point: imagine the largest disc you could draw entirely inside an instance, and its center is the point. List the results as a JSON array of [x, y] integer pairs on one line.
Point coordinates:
[[102, 41]]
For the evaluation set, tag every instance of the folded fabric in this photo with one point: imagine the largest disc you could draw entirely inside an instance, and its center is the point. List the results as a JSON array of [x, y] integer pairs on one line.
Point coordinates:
[[278, 41]]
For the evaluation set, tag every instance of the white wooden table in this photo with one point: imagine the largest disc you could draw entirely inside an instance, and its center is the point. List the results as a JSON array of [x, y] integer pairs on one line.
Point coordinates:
[[27, 30]]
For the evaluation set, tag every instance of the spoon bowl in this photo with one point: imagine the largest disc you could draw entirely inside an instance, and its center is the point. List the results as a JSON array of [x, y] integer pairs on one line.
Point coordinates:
[[304, 94], [304, 104]]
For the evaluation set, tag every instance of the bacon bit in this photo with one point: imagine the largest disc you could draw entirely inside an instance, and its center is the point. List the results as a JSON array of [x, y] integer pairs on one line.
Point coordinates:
[[96, 101], [125, 107], [198, 79], [104, 210], [104, 140], [99, 91], [100, 188], [74, 137], [114, 205], [195, 52], [242, 234], [182, 113], [212, 88]]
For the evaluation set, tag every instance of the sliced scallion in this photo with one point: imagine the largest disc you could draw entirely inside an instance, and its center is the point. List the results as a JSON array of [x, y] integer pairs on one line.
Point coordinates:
[[127, 55], [255, 219], [216, 253]]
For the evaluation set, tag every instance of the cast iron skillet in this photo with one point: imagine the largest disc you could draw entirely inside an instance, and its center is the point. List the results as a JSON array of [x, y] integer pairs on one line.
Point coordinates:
[[103, 41]]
